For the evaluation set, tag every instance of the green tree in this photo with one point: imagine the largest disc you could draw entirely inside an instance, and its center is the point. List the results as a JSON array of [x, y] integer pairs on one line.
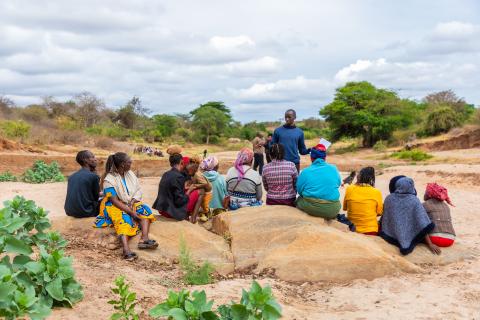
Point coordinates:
[[217, 105], [165, 124], [361, 109], [132, 113], [440, 120], [209, 121], [448, 98]]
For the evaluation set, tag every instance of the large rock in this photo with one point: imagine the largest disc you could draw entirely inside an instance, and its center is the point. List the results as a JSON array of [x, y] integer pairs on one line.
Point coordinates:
[[304, 248], [203, 245]]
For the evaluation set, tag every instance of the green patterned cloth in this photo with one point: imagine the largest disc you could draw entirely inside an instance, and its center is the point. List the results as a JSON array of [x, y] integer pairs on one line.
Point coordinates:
[[318, 207]]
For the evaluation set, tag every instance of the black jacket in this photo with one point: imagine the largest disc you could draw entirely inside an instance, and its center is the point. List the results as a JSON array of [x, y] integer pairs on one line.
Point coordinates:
[[82, 194], [171, 196]]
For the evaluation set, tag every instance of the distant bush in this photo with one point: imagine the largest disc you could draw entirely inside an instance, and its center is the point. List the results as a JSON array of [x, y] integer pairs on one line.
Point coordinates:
[[7, 176], [414, 155], [380, 146], [476, 117], [103, 142], [34, 113], [441, 120], [69, 137], [42, 172], [66, 123], [309, 135], [15, 128]]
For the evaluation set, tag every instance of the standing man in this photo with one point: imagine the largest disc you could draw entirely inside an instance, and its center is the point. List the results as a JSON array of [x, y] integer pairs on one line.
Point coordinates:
[[292, 139], [268, 144], [258, 150], [83, 188]]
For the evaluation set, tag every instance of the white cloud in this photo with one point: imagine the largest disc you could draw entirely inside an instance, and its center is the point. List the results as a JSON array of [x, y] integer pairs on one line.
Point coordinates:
[[455, 30]]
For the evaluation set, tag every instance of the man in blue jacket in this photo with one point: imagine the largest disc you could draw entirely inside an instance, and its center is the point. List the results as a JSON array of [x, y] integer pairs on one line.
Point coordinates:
[[292, 139]]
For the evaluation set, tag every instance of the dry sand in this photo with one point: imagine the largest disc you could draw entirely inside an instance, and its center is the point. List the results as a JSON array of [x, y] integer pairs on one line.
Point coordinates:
[[449, 292]]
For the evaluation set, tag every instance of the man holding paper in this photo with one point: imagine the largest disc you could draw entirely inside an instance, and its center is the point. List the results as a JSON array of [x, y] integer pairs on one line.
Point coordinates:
[[291, 138]]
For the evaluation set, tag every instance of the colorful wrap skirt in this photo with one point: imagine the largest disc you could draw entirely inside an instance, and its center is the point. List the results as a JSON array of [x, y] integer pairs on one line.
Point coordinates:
[[319, 208], [124, 224]]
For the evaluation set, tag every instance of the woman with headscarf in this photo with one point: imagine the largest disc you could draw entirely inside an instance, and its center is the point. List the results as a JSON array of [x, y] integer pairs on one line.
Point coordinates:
[[244, 184], [443, 235], [405, 222], [318, 185], [364, 203], [122, 205], [209, 167]]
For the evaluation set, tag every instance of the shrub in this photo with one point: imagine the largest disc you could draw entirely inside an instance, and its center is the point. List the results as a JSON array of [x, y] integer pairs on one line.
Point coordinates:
[[15, 129], [258, 303], [350, 148], [66, 123], [440, 120], [193, 273], [126, 303], [414, 155], [42, 172], [7, 176], [380, 146], [32, 285]]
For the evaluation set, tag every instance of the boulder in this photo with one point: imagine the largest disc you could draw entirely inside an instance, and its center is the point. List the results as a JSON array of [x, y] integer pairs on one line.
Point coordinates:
[[304, 248], [203, 245]]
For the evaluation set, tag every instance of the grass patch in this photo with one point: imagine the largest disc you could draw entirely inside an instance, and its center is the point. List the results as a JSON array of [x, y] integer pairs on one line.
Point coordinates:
[[350, 148], [413, 155], [194, 274], [7, 176]]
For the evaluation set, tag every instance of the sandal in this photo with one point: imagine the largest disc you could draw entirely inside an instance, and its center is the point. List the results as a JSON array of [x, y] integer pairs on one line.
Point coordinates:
[[149, 244], [130, 256]]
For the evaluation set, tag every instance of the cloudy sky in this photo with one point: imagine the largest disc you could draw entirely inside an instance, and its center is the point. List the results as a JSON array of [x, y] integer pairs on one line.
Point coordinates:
[[258, 56]]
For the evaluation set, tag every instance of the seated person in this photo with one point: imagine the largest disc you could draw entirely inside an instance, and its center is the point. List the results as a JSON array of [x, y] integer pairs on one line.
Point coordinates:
[[279, 178], [405, 222], [318, 185], [197, 182], [122, 205], [443, 235], [83, 188], [363, 202], [172, 201], [209, 166], [244, 185]]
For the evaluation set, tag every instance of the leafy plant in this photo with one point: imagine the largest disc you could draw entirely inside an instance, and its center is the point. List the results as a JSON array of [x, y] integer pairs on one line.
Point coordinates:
[[15, 129], [194, 274], [7, 176], [32, 286], [42, 172], [414, 155], [183, 306], [380, 146], [126, 303], [256, 304]]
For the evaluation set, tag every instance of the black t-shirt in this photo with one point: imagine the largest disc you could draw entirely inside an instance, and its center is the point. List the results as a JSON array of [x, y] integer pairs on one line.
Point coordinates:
[[82, 194]]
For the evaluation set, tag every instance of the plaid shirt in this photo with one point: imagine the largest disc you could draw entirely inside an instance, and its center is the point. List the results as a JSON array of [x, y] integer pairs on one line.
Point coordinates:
[[279, 178]]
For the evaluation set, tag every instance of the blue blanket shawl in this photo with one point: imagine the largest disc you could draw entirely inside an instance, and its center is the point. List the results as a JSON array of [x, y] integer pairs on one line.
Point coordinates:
[[405, 222]]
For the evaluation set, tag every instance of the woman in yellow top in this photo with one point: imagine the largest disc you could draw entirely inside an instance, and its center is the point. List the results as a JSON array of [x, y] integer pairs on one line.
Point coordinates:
[[363, 202]]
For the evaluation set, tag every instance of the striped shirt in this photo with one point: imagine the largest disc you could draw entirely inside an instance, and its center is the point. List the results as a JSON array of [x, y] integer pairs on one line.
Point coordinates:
[[279, 178]]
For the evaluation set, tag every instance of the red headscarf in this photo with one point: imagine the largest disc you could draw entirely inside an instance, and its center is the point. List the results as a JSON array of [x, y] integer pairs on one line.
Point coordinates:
[[436, 191], [185, 160]]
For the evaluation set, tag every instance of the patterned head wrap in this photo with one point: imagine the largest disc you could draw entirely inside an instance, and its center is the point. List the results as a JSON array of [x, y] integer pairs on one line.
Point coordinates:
[[209, 163], [436, 191], [245, 156], [318, 152]]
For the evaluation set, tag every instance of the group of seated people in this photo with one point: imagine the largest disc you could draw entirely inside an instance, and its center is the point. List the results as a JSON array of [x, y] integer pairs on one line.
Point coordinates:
[[194, 190]]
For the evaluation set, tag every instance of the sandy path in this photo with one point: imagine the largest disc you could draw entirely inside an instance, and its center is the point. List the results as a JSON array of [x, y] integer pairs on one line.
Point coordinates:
[[449, 292]]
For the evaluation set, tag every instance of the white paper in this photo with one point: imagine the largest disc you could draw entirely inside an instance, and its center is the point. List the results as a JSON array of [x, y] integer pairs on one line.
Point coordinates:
[[326, 143]]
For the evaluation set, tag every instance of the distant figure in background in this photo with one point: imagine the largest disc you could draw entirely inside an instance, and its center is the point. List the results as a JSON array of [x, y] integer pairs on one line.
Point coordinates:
[[363, 203], [204, 153], [268, 145], [258, 150], [279, 178], [292, 139], [436, 199], [83, 188]]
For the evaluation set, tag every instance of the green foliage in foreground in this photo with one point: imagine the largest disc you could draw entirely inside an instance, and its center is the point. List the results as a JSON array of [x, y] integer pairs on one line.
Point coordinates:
[[32, 285], [193, 273], [125, 306], [42, 172], [256, 304], [7, 176], [414, 155]]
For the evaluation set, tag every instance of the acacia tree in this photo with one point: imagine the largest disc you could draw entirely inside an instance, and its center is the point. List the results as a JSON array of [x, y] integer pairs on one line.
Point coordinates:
[[209, 121], [89, 108], [446, 108], [361, 109]]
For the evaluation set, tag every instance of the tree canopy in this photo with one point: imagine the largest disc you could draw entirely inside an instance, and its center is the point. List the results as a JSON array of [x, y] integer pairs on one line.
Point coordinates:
[[361, 109]]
